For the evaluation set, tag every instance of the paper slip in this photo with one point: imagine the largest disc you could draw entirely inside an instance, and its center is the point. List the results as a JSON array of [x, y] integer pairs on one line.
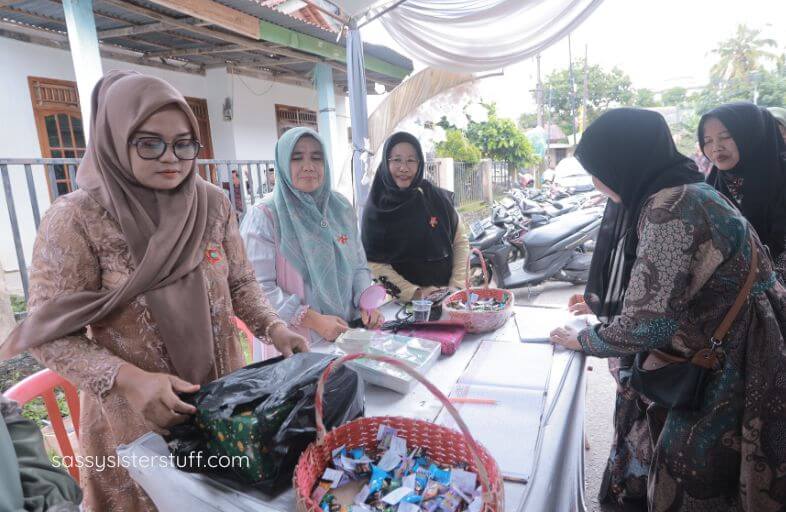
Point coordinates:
[[347, 463], [333, 476], [389, 461], [464, 481], [399, 445], [476, 505], [362, 496], [399, 494], [408, 507], [535, 324], [385, 431], [408, 481]]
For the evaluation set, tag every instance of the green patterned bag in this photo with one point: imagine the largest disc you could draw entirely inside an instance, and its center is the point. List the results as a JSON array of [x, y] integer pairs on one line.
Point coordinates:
[[262, 417]]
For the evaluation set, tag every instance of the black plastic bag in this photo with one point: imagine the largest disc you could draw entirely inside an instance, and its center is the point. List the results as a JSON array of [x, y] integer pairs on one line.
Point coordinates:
[[265, 412]]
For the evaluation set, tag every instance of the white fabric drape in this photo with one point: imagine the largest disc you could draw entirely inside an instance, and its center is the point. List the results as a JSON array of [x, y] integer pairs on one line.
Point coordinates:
[[481, 35], [358, 107], [406, 98]]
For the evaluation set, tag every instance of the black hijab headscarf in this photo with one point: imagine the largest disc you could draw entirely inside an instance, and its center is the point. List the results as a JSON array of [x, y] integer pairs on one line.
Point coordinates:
[[757, 184], [632, 152], [411, 229]]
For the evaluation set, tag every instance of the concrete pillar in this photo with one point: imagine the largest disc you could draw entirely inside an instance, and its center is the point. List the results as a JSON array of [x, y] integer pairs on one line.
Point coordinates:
[[446, 174], [326, 120], [222, 126], [487, 173], [83, 41]]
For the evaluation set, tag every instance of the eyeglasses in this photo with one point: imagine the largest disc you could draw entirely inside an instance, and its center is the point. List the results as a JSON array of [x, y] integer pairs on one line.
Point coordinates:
[[153, 148], [398, 162]]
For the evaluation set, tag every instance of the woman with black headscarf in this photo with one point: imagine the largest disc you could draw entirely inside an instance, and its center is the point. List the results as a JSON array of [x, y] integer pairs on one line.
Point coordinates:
[[414, 239], [671, 259], [746, 148]]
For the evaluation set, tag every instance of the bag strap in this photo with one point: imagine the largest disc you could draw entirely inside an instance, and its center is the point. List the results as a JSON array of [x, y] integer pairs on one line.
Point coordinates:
[[728, 320]]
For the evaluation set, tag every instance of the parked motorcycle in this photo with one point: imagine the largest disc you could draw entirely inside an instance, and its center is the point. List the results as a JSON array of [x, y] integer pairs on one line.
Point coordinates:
[[556, 250]]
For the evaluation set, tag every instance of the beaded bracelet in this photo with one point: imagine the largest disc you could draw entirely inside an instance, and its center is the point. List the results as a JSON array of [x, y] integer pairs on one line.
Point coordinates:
[[267, 340], [297, 321]]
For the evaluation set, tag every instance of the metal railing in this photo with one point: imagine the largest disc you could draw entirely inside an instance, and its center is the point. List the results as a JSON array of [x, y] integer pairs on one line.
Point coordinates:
[[432, 172], [60, 175], [500, 177], [468, 183]]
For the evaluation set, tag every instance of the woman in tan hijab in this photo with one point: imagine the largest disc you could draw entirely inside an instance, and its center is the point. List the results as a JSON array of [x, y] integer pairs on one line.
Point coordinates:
[[135, 279]]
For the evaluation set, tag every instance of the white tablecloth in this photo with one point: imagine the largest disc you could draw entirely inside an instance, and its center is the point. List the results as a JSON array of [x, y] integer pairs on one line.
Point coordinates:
[[556, 472]]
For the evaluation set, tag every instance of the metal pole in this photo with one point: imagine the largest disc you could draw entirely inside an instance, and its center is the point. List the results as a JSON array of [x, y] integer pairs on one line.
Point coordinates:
[[50, 170], [33, 197], [20, 254], [231, 186], [260, 190], [585, 98], [250, 184], [242, 185], [572, 88], [539, 94], [72, 176]]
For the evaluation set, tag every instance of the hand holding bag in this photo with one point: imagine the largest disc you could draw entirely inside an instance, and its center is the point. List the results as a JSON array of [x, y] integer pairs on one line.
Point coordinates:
[[676, 382]]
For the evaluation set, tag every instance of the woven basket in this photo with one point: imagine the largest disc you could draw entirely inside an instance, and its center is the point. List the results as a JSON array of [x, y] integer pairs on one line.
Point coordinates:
[[480, 321], [443, 445]]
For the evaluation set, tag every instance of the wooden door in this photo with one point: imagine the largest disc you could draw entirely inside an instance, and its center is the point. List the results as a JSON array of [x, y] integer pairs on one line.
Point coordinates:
[[289, 117], [59, 124], [199, 106]]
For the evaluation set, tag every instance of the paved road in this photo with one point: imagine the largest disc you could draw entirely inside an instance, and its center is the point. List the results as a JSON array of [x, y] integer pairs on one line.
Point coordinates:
[[600, 392]]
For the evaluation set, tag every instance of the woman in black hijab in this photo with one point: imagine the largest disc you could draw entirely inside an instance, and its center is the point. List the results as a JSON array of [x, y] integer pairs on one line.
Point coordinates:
[[630, 172], [747, 152], [413, 236], [672, 257]]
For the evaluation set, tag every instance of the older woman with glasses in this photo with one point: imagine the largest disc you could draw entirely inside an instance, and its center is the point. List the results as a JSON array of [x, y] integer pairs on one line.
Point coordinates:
[[135, 279], [413, 236]]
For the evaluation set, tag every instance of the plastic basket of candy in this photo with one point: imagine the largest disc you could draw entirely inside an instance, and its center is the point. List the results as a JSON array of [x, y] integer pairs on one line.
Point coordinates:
[[395, 464], [480, 309]]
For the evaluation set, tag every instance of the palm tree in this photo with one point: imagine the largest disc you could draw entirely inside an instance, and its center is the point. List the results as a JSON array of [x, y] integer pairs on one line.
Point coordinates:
[[740, 56]]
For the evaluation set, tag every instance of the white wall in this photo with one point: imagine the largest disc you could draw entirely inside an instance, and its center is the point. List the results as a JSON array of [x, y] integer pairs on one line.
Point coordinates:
[[251, 135]]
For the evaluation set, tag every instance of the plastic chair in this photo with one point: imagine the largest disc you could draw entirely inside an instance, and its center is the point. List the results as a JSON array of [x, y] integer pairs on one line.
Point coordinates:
[[43, 384]]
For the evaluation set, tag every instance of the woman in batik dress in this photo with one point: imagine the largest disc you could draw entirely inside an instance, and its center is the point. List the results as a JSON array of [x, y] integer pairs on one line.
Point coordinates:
[[673, 255]]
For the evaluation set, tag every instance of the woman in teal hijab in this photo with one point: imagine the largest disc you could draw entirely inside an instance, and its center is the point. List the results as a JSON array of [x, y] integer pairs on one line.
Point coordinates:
[[304, 245]]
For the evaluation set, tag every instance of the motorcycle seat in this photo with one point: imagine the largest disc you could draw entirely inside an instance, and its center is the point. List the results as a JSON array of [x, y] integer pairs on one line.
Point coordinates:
[[539, 241]]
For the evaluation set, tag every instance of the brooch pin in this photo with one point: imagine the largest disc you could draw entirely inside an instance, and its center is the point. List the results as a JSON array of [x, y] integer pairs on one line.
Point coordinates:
[[343, 239], [433, 222], [213, 255]]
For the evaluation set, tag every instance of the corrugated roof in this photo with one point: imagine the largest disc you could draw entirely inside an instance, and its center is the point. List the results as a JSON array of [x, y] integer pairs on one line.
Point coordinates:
[[279, 18], [48, 15]]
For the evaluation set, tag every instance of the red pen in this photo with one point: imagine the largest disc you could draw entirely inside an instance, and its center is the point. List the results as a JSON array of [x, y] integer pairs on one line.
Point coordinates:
[[468, 400]]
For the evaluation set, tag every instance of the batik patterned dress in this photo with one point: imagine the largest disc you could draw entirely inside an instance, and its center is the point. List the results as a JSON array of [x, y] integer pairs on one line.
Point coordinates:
[[693, 257], [80, 247]]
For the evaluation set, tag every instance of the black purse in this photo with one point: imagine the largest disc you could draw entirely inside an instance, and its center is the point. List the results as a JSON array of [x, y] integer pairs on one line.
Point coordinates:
[[676, 382]]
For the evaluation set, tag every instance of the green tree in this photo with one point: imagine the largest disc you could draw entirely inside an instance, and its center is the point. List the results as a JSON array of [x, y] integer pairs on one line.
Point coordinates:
[[645, 98], [527, 121], [741, 55], [674, 97], [458, 147], [500, 139], [605, 88], [771, 89]]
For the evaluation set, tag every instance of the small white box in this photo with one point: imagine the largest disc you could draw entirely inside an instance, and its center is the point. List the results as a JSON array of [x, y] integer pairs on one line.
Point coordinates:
[[418, 353]]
